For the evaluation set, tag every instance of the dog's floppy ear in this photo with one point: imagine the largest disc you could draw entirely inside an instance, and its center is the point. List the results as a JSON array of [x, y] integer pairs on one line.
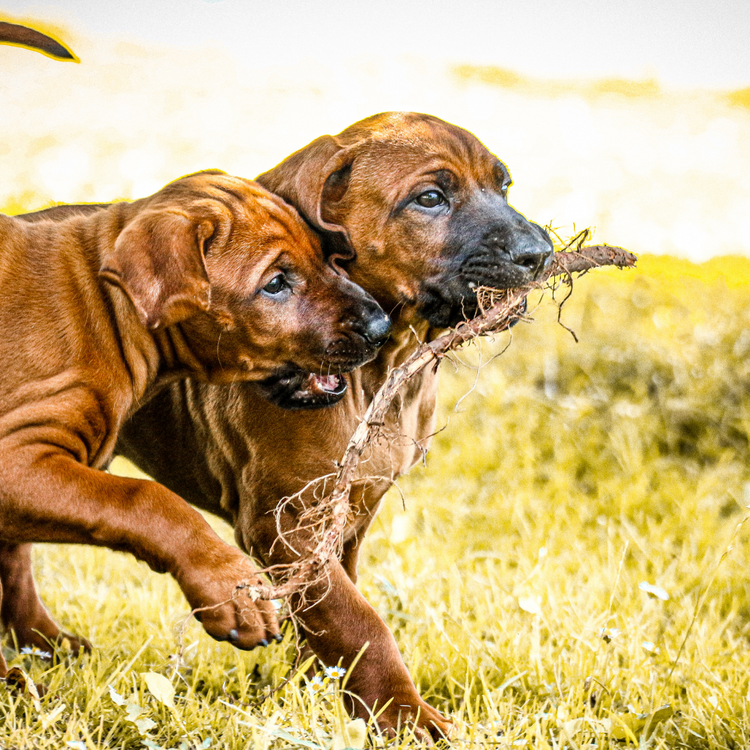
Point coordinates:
[[158, 261], [312, 177]]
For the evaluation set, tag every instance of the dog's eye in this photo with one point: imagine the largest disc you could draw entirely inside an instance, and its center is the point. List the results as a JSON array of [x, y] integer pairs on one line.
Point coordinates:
[[430, 199], [276, 285]]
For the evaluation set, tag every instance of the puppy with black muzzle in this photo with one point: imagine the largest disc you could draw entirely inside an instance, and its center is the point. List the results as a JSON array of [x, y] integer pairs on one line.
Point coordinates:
[[416, 211]]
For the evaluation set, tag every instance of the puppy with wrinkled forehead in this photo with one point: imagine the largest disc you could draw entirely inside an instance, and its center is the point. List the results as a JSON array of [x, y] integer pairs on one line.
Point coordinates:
[[212, 277], [416, 210]]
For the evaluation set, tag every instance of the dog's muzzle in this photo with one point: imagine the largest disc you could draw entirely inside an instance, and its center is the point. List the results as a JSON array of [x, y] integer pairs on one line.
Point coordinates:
[[295, 389], [502, 259]]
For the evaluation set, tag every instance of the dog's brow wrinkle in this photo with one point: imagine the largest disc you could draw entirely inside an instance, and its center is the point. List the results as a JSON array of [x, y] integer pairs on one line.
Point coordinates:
[[229, 191], [283, 225], [228, 204]]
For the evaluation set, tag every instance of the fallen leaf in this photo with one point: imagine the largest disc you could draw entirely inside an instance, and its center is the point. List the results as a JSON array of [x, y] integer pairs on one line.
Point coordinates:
[[116, 697], [18, 680], [575, 726], [160, 687], [133, 711], [144, 725], [656, 591], [295, 741], [629, 726], [352, 736], [50, 718], [532, 604]]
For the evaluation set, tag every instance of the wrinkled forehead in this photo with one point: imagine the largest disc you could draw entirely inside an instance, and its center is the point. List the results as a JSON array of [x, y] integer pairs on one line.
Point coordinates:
[[260, 241], [236, 193], [266, 233], [248, 211], [400, 153]]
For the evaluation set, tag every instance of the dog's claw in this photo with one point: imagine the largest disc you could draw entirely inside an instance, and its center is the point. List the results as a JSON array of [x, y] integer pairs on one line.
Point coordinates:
[[263, 642], [234, 636], [278, 638]]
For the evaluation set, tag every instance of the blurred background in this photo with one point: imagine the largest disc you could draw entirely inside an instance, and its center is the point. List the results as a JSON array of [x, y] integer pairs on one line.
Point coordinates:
[[633, 118]]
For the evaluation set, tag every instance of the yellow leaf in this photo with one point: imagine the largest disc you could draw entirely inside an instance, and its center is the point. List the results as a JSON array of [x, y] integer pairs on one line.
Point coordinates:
[[49, 719], [532, 604], [630, 726], [160, 687], [18, 680], [352, 736], [572, 727]]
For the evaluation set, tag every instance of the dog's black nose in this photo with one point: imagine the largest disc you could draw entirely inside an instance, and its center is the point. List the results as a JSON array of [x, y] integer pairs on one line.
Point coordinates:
[[532, 250], [533, 259], [377, 330], [522, 242]]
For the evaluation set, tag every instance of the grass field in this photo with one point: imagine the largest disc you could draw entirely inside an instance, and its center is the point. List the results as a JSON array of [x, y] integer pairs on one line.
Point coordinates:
[[512, 573]]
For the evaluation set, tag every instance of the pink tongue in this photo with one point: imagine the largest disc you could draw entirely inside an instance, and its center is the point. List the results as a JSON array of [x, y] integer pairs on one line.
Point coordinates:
[[324, 383]]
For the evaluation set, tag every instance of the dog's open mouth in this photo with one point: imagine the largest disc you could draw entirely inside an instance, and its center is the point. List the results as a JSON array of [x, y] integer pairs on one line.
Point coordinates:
[[303, 390]]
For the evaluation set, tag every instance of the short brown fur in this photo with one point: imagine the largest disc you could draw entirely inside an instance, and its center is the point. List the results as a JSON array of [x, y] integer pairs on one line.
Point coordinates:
[[97, 313]]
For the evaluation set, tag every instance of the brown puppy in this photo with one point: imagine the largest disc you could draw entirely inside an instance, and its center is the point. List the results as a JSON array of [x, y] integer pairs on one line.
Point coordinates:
[[211, 277], [23, 36], [416, 211]]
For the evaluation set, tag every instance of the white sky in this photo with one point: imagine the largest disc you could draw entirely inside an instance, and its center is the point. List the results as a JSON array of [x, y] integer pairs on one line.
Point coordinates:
[[683, 43]]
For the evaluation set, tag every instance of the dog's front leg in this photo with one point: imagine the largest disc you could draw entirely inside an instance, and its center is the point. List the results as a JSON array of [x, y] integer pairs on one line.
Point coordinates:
[[3, 663], [22, 611], [338, 623], [47, 496]]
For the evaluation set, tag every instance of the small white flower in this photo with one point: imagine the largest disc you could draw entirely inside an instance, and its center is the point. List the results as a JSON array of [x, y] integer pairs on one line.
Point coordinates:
[[652, 590], [335, 673], [34, 651], [609, 634], [316, 684]]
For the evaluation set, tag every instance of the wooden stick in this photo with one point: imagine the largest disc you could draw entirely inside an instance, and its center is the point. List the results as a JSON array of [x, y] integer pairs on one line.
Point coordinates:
[[329, 516]]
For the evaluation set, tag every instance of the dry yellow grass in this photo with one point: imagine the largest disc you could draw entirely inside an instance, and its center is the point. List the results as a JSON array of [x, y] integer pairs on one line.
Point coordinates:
[[570, 475]]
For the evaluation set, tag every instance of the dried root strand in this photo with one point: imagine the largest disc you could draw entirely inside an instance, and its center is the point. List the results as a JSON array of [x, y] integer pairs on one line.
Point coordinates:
[[498, 310]]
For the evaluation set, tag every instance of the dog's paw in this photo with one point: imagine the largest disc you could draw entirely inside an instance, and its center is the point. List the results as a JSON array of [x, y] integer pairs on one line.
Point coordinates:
[[428, 724], [222, 602]]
